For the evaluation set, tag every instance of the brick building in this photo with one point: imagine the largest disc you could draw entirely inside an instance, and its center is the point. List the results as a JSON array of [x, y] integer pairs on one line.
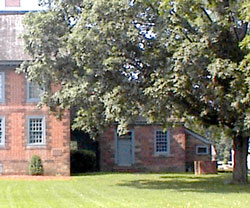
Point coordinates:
[[149, 148], [26, 130]]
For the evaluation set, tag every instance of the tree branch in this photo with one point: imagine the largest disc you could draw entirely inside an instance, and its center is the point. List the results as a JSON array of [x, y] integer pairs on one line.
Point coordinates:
[[242, 31], [188, 38], [185, 24], [207, 15]]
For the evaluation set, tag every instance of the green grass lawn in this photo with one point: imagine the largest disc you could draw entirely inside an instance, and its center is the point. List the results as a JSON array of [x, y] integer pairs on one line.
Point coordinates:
[[126, 190]]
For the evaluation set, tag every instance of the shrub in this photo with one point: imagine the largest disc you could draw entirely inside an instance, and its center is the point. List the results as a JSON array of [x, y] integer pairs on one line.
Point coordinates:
[[83, 161], [35, 166]]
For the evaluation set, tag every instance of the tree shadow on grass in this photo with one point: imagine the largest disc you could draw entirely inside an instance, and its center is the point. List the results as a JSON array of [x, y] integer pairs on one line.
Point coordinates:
[[96, 174], [189, 183]]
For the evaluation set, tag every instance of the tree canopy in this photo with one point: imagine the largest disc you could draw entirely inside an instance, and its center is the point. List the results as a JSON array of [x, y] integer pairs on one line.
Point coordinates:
[[119, 59]]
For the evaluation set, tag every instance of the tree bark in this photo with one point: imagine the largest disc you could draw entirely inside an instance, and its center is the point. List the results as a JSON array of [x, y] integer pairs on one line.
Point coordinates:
[[240, 172]]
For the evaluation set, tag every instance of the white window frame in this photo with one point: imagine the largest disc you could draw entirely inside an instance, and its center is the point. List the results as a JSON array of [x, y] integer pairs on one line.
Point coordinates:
[[29, 99], [2, 98], [2, 142], [201, 153], [167, 152], [43, 131]]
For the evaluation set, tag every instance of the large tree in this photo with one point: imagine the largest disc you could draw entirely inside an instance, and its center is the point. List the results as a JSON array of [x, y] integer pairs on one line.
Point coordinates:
[[117, 59]]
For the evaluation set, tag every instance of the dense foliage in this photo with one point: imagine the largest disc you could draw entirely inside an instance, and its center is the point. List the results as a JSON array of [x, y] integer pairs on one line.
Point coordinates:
[[163, 60], [35, 166], [82, 161]]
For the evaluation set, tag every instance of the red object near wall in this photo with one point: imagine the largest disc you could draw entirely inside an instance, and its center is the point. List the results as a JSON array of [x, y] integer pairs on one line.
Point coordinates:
[[205, 167]]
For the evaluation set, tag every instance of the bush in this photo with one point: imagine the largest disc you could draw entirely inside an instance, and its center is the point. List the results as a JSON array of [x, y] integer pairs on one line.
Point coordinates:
[[35, 166], [83, 161]]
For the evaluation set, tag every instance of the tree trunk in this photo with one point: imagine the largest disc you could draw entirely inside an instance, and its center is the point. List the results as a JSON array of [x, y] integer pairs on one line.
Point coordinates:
[[240, 172]]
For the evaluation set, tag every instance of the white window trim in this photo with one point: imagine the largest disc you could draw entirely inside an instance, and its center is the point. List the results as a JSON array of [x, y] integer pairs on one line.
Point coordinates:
[[2, 143], [44, 130], [31, 100], [168, 141], [201, 146], [2, 99]]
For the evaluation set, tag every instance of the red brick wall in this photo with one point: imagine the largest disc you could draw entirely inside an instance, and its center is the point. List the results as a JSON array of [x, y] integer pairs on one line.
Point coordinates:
[[205, 167], [191, 155], [16, 154], [145, 157], [107, 150]]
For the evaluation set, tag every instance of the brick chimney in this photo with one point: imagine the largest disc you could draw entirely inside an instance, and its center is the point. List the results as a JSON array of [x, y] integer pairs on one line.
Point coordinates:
[[12, 3]]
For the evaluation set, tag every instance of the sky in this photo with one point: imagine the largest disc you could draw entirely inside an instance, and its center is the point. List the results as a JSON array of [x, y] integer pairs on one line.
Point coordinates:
[[25, 5]]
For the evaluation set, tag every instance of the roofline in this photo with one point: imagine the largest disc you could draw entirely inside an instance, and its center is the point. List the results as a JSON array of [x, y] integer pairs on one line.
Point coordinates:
[[145, 123], [6, 12], [197, 136], [11, 63]]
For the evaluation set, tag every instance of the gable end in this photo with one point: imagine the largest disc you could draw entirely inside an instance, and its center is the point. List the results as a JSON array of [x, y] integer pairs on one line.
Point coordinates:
[[197, 136]]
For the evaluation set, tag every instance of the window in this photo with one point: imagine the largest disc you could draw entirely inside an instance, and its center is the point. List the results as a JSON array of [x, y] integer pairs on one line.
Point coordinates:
[[36, 130], [33, 92], [2, 86], [2, 131], [201, 150], [12, 3], [161, 142]]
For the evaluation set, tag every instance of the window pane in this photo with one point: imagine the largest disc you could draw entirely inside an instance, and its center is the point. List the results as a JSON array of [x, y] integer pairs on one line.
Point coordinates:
[[161, 141], [36, 130], [34, 91], [202, 150]]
